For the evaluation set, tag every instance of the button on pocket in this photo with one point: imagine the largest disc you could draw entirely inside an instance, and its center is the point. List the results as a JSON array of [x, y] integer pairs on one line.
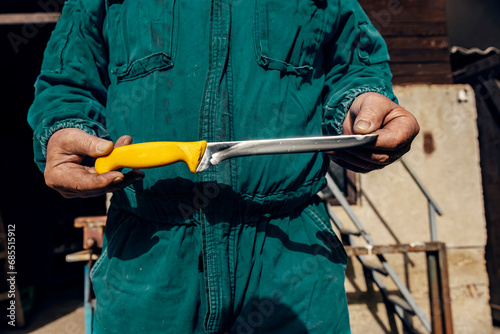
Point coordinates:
[[140, 37], [288, 34]]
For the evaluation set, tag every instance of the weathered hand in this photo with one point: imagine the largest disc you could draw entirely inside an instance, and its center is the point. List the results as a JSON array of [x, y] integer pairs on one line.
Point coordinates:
[[395, 126], [64, 172]]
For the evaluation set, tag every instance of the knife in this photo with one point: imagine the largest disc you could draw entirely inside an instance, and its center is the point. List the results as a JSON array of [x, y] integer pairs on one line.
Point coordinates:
[[201, 155]]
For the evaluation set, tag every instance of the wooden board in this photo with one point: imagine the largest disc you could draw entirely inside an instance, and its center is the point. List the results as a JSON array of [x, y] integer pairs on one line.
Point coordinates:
[[418, 73], [414, 29], [416, 36], [383, 12]]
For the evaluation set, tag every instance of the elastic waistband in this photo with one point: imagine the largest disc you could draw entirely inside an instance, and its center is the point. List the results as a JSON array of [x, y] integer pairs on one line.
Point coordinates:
[[209, 198]]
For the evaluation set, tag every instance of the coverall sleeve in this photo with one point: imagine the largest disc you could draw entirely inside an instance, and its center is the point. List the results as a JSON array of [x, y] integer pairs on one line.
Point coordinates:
[[70, 91], [356, 62]]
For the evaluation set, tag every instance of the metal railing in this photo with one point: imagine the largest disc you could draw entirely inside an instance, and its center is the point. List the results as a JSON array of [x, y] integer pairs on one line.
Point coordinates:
[[405, 292], [436, 270], [434, 208]]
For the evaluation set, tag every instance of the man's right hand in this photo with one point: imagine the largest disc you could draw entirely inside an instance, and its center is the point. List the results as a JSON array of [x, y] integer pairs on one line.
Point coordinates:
[[64, 171]]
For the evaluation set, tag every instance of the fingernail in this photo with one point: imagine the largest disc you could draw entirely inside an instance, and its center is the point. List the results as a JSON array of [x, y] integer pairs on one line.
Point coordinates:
[[362, 125], [102, 147], [118, 179]]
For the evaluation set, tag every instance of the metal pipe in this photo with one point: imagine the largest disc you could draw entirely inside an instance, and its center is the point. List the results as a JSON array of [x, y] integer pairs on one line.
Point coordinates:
[[432, 222], [434, 292], [87, 300], [422, 188], [445, 290], [345, 205], [401, 286]]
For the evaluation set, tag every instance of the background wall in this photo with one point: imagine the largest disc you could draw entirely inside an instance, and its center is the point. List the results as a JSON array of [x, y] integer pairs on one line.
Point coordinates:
[[473, 23], [445, 156], [43, 218], [416, 35]]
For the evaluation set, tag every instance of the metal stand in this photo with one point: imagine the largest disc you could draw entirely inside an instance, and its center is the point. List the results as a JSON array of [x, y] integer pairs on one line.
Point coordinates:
[[405, 306], [437, 270], [93, 230]]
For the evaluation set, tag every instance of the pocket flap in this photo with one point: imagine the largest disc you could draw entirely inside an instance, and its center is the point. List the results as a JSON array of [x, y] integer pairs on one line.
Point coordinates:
[[143, 66]]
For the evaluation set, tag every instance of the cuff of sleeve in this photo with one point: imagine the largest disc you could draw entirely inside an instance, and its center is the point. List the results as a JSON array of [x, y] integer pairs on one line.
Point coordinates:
[[336, 109], [92, 128]]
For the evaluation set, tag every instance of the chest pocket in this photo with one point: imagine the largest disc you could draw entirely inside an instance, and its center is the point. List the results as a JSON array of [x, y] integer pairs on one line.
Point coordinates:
[[140, 36], [288, 34]]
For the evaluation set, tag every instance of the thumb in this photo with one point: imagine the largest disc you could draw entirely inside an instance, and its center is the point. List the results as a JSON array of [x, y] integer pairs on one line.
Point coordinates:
[[80, 142], [369, 116]]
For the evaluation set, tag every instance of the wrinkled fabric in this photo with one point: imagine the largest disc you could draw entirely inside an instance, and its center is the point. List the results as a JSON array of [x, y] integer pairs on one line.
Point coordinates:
[[267, 275], [217, 70]]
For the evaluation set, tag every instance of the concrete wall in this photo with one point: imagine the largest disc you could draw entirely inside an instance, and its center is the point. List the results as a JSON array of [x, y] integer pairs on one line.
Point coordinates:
[[445, 156]]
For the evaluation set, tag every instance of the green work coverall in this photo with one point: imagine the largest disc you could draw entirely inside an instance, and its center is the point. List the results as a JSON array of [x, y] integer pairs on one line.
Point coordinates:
[[246, 246]]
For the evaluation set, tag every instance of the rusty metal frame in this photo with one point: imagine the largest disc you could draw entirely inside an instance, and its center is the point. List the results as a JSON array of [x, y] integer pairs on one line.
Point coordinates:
[[29, 18], [437, 273], [350, 190], [93, 232], [93, 228], [437, 268]]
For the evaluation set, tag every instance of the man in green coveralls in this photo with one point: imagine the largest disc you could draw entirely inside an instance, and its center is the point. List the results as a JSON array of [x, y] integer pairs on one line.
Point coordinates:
[[244, 247]]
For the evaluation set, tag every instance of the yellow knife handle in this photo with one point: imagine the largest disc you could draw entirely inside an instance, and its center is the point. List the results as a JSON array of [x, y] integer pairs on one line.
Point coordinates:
[[152, 154]]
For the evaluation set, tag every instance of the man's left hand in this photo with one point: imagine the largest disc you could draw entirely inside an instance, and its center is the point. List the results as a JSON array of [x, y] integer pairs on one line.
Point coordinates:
[[395, 126]]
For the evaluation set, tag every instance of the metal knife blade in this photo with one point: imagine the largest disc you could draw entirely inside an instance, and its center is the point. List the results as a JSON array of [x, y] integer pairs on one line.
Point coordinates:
[[217, 152]]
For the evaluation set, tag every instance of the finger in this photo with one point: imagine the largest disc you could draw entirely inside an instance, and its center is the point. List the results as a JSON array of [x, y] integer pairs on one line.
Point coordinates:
[[74, 180], [129, 178], [398, 131], [355, 164], [123, 140], [353, 167], [369, 157], [388, 144], [86, 183]]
